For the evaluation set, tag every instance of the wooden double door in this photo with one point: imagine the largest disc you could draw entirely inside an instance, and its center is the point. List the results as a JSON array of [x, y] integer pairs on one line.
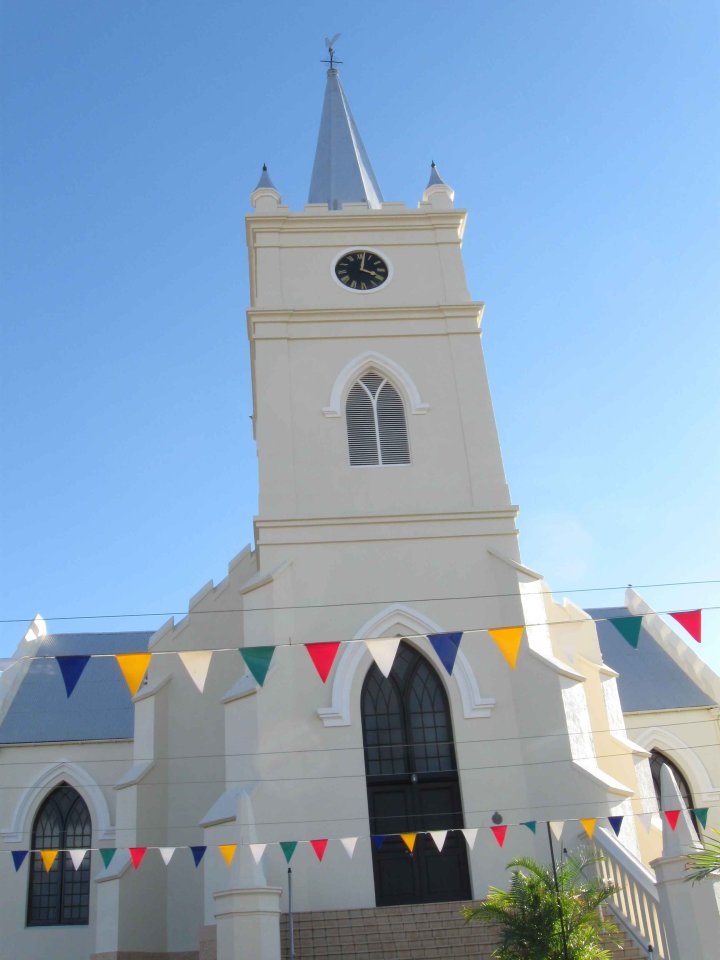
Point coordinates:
[[412, 784]]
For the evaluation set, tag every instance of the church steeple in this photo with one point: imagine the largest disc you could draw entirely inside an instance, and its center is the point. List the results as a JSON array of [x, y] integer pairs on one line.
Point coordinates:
[[342, 172]]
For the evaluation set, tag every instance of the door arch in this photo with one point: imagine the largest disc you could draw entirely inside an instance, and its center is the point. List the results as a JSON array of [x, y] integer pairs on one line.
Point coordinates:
[[412, 783]]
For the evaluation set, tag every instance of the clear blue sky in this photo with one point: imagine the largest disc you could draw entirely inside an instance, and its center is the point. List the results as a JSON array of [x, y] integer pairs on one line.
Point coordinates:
[[582, 137]]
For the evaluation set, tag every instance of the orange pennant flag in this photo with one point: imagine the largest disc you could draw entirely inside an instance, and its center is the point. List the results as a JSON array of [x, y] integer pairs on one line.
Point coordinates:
[[508, 640], [228, 851], [409, 840], [588, 824], [48, 858], [133, 666]]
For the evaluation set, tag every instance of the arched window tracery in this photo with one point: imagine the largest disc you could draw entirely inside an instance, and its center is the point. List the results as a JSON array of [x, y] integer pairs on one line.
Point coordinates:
[[376, 425], [61, 895]]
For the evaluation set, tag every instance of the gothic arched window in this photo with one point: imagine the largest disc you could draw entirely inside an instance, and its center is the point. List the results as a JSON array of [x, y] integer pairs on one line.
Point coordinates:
[[62, 894], [377, 432], [657, 759]]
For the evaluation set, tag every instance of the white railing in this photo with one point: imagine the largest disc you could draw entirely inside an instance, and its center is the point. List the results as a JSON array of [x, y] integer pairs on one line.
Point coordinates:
[[635, 905]]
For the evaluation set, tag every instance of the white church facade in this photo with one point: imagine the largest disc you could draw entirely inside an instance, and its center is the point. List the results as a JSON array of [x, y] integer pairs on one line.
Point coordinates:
[[384, 514]]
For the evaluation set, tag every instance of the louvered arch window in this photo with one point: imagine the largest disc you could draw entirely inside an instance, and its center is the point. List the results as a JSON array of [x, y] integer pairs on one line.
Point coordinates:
[[375, 415], [62, 894]]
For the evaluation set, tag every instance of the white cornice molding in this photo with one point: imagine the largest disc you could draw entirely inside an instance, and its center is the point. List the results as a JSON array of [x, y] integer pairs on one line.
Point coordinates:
[[356, 655], [359, 365]]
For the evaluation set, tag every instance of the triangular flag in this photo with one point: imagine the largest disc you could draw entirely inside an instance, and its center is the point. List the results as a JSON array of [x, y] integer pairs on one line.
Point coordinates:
[[672, 817], [499, 833], [77, 857], [198, 853], [439, 838], [701, 815], [197, 664], [136, 855], [616, 823], [378, 839], [470, 836], [228, 851], [349, 843], [107, 853], [257, 850], [557, 828], [18, 858], [692, 621], [588, 825], [257, 660], [409, 840], [646, 820], [628, 627], [508, 640], [71, 669], [323, 655], [319, 847], [446, 647], [530, 824], [288, 848], [383, 653], [134, 667], [48, 858], [167, 854]]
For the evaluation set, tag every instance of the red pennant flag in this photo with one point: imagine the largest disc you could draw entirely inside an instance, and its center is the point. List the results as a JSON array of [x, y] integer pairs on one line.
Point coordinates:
[[672, 817], [136, 855], [319, 847], [323, 656], [692, 621], [499, 834]]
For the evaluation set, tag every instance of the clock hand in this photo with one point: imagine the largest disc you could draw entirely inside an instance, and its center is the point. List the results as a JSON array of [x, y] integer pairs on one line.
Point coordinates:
[[362, 265]]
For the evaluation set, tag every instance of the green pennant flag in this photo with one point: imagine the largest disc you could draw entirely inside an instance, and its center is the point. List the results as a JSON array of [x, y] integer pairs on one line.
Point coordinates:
[[701, 814], [530, 824], [107, 853], [258, 661], [288, 848], [628, 628]]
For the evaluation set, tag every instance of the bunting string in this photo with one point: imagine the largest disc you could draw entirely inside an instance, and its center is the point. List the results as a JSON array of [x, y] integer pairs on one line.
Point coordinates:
[[288, 848], [257, 659]]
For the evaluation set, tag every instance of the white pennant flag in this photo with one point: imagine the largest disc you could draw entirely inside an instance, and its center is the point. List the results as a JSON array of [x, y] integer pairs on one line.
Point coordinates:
[[470, 836], [349, 844], [383, 652], [439, 836], [557, 828], [646, 820], [166, 853], [77, 857], [197, 664], [257, 850]]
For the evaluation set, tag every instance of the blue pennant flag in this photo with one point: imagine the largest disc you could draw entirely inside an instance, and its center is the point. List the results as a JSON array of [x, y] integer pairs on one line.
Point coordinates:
[[198, 853], [378, 840], [616, 823], [18, 858], [446, 646], [71, 669]]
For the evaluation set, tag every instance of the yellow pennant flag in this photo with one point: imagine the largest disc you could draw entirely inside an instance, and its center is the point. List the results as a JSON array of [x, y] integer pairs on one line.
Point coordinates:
[[48, 858], [134, 667], [508, 639], [409, 839], [588, 825], [228, 851]]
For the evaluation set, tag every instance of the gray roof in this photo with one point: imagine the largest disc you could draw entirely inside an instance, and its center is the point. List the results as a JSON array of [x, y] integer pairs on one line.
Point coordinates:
[[649, 677], [100, 707], [342, 172]]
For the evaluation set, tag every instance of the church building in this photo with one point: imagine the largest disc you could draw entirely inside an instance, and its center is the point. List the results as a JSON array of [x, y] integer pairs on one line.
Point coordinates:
[[393, 752]]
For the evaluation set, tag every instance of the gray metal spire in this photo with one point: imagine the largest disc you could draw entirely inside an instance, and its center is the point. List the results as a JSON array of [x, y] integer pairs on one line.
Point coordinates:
[[435, 177], [265, 181], [342, 172]]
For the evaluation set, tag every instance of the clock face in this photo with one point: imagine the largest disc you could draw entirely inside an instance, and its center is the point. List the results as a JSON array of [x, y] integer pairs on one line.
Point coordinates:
[[361, 270]]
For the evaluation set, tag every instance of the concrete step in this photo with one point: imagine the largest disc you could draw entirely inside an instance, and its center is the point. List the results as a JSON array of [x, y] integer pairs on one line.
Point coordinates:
[[429, 931]]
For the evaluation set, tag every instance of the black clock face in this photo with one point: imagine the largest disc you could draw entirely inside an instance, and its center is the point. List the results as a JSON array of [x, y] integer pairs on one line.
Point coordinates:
[[361, 270]]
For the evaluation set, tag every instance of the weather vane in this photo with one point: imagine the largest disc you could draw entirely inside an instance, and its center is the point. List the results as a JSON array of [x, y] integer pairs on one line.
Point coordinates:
[[330, 44]]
